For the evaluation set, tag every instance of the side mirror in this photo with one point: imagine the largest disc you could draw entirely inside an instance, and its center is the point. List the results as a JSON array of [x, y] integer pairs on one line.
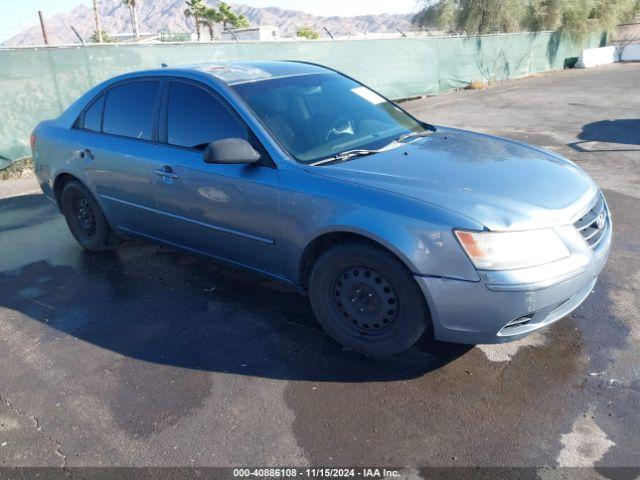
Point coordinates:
[[230, 150]]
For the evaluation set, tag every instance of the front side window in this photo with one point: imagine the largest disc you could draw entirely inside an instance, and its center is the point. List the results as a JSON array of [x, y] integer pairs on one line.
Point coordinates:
[[318, 116], [128, 109], [195, 118]]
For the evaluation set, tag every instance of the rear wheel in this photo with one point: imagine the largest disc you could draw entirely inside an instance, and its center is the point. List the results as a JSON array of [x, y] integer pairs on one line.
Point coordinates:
[[85, 218], [367, 300]]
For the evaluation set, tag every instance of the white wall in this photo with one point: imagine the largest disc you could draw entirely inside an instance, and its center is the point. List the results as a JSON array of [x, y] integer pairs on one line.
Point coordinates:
[[630, 53]]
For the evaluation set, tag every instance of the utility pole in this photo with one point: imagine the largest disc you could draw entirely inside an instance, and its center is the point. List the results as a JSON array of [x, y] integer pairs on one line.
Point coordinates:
[[96, 16], [134, 13], [44, 29]]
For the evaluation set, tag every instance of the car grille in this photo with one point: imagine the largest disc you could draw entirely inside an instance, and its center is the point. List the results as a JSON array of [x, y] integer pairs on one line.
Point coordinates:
[[593, 224]]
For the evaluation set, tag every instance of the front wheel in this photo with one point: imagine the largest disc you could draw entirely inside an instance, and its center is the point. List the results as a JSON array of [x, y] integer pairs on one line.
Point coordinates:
[[85, 218], [367, 300]]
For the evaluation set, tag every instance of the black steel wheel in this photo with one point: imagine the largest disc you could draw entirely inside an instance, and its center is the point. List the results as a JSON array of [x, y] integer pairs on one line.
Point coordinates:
[[367, 300], [85, 218]]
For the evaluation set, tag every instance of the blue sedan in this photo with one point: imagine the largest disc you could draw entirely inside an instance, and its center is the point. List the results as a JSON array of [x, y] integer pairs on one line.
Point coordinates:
[[395, 228]]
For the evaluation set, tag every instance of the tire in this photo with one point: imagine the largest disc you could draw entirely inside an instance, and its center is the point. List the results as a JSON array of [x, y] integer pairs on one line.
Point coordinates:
[[85, 218], [367, 300]]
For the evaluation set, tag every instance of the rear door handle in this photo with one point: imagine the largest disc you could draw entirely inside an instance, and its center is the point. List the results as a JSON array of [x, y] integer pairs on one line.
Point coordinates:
[[166, 172]]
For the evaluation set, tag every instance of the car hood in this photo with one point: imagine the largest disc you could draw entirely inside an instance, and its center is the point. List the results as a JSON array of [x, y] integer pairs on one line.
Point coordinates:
[[503, 184]]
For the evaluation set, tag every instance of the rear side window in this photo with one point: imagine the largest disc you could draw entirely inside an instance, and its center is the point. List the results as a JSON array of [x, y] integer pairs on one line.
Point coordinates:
[[195, 118], [128, 109], [93, 116]]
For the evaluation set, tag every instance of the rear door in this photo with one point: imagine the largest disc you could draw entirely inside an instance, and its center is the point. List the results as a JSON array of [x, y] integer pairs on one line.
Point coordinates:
[[227, 211], [117, 142]]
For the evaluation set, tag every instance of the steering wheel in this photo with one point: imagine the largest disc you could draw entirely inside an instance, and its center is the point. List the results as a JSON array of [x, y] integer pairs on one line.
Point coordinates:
[[341, 127]]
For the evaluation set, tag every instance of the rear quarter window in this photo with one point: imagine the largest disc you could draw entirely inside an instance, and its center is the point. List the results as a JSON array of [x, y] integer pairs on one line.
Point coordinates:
[[93, 116], [128, 109]]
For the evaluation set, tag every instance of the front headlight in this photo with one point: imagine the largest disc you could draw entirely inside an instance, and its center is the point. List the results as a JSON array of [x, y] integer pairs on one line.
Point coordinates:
[[510, 250]]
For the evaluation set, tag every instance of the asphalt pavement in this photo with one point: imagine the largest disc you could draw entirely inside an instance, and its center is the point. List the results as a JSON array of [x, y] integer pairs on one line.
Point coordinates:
[[144, 356]]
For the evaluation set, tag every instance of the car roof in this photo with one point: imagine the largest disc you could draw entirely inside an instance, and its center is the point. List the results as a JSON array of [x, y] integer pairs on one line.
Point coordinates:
[[233, 73], [229, 73]]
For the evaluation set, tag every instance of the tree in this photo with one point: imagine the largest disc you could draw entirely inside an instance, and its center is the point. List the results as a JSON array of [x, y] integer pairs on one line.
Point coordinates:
[[489, 16], [229, 18], [440, 15], [101, 37], [486, 16], [596, 15], [196, 10], [224, 15], [96, 16], [133, 11], [308, 33], [544, 15], [210, 17]]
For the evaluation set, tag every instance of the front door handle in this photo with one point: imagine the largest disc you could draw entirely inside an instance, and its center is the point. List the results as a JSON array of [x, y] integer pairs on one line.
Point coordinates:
[[166, 172]]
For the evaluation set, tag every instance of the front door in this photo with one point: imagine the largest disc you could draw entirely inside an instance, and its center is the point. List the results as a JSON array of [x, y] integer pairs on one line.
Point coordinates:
[[227, 211]]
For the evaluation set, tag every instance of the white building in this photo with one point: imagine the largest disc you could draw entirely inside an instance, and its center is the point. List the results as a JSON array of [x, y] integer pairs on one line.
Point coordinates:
[[253, 34]]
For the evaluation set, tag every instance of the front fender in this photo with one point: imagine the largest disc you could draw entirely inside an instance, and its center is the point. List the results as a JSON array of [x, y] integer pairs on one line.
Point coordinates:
[[419, 234]]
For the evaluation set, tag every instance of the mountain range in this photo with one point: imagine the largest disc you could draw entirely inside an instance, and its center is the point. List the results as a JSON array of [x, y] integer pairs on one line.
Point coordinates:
[[168, 15]]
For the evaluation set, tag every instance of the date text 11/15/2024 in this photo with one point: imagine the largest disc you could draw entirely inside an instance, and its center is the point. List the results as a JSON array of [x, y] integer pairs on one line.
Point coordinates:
[[286, 473]]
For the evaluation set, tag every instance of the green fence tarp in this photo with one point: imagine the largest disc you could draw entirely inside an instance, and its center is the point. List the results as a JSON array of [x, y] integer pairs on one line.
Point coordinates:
[[39, 83]]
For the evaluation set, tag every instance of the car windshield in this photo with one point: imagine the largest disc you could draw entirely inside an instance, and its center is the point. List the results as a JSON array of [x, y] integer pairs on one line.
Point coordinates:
[[322, 115]]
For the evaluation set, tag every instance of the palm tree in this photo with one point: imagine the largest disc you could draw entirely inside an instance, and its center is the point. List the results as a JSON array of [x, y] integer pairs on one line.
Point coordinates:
[[228, 18], [210, 16], [133, 10], [96, 16], [195, 9]]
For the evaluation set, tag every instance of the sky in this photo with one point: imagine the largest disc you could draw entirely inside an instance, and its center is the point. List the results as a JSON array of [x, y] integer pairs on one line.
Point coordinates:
[[16, 15]]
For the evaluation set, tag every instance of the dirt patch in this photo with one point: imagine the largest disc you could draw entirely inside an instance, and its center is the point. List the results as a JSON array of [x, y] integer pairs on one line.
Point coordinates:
[[18, 169]]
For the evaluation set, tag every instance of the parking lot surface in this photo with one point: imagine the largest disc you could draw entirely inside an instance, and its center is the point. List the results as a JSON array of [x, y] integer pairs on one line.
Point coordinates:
[[145, 356]]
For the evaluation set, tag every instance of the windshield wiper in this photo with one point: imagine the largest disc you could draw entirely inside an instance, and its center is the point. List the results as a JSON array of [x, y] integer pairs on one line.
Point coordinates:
[[346, 155], [410, 135]]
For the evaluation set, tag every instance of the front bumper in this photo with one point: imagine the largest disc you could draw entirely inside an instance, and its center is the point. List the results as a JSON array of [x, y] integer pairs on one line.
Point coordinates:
[[479, 312]]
